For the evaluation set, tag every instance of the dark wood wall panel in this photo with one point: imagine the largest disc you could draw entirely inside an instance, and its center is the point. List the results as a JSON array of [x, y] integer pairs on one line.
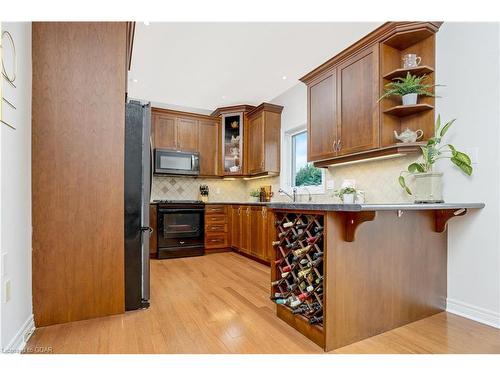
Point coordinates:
[[78, 109]]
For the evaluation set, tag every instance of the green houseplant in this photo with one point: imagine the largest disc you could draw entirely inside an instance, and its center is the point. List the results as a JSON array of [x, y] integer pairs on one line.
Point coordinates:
[[347, 194], [408, 88], [428, 184], [255, 194]]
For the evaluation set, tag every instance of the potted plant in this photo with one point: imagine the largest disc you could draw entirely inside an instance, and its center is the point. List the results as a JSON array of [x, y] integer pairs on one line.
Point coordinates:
[[408, 88], [428, 187], [346, 194], [255, 194]]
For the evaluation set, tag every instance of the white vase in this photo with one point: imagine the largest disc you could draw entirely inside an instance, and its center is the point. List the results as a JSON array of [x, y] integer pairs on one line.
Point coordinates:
[[410, 99], [348, 198], [428, 188]]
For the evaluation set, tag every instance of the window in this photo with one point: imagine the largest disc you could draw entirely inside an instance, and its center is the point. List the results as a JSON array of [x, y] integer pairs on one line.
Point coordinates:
[[303, 174]]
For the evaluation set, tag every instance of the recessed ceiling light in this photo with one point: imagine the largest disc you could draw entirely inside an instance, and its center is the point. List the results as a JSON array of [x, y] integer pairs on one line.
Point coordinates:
[[284, 77], [146, 23]]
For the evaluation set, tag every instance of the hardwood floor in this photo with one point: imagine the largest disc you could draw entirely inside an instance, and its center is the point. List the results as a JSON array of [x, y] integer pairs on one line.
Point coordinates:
[[219, 303]]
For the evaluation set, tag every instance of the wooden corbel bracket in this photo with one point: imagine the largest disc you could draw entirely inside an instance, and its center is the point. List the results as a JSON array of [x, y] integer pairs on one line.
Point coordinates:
[[441, 217], [353, 220]]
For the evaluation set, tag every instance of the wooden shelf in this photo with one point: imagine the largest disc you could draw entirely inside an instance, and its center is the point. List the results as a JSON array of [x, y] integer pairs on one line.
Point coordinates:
[[407, 110], [419, 70]]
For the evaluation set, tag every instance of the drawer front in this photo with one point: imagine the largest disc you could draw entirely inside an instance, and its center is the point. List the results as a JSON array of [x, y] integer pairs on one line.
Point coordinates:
[[215, 219], [215, 209], [221, 228], [216, 240]]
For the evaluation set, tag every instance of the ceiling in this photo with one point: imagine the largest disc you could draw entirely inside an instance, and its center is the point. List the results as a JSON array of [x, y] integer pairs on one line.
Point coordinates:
[[208, 65]]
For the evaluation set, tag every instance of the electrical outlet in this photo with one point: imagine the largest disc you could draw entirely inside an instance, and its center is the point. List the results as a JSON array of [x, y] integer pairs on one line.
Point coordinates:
[[7, 290], [330, 185]]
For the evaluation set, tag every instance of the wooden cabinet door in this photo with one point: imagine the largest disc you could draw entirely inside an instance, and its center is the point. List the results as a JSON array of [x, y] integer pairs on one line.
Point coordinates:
[[236, 226], [209, 147], [322, 118], [357, 94], [153, 238], [246, 229], [255, 144], [187, 134], [165, 132]]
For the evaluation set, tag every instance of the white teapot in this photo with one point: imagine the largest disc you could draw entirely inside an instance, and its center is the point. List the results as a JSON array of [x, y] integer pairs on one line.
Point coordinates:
[[409, 136]]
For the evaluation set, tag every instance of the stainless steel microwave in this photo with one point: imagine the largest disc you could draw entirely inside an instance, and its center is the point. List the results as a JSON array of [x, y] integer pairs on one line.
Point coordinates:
[[176, 162]]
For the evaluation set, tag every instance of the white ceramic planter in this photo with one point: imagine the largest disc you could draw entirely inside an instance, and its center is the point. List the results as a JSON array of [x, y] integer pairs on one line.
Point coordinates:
[[348, 198], [410, 99], [428, 188]]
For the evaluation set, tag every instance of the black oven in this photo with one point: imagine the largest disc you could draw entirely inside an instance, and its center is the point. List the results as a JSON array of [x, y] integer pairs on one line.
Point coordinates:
[[180, 229]]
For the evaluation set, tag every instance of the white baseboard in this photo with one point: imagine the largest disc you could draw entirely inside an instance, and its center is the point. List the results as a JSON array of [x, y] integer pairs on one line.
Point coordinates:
[[22, 336], [489, 317]]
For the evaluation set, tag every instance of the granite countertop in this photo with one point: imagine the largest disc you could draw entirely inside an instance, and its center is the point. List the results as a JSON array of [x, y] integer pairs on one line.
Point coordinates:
[[356, 207], [371, 207]]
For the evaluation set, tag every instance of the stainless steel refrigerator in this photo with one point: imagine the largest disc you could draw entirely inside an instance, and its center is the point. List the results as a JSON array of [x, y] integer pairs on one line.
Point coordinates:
[[137, 195]]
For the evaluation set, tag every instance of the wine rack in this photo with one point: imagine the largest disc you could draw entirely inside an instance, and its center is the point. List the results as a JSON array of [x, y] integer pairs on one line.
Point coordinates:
[[298, 275]]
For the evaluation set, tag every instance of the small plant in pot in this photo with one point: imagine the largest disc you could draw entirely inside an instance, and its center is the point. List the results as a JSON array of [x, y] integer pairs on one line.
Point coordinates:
[[428, 183], [347, 194], [255, 194], [409, 88]]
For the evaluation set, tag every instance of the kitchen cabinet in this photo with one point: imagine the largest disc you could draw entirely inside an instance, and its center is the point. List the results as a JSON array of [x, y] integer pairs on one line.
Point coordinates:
[[164, 131], [263, 140], [216, 227], [346, 122], [235, 226], [322, 118], [190, 132], [209, 147], [357, 106], [250, 231]]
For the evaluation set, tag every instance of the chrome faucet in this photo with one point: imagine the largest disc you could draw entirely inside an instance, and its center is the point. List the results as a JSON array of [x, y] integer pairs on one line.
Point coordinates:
[[292, 197]]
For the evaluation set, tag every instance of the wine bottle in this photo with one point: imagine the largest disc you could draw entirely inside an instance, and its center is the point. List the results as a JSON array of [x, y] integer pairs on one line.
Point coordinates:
[[301, 226], [304, 261], [301, 310], [302, 285], [319, 279], [303, 296], [287, 268], [315, 263], [284, 274], [288, 224], [304, 272], [317, 255], [298, 236], [316, 320], [282, 234], [275, 243], [319, 229], [313, 239], [291, 287], [293, 245], [301, 251]]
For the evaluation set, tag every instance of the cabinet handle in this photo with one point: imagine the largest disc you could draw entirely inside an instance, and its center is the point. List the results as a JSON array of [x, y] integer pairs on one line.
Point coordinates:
[[264, 212], [334, 146], [248, 211], [239, 211], [339, 147]]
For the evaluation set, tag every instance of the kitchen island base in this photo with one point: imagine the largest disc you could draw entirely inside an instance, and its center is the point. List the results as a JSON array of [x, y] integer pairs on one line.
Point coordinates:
[[381, 270]]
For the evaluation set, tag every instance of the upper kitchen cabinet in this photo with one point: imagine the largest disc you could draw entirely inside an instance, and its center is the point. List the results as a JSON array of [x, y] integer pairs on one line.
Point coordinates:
[[232, 145], [346, 122], [209, 147], [175, 130], [189, 132], [357, 109], [263, 140]]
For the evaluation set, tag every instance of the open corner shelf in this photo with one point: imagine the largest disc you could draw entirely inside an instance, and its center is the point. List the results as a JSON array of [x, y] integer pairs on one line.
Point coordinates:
[[407, 110], [419, 70]]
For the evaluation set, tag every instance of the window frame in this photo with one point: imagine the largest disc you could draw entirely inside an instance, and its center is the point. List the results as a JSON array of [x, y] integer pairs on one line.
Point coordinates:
[[289, 163]]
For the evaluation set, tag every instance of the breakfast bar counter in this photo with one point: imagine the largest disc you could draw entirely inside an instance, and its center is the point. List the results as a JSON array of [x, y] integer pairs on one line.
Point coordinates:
[[376, 266]]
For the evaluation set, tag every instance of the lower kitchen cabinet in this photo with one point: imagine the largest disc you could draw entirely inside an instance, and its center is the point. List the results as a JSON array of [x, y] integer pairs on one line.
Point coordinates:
[[250, 231], [216, 227]]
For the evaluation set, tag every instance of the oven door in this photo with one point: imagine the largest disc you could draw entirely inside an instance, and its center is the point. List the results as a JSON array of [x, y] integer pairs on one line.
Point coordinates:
[[180, 227], [177, 162]]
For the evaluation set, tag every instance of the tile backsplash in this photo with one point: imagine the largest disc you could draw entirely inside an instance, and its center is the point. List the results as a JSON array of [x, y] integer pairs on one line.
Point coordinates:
[[378, 178]]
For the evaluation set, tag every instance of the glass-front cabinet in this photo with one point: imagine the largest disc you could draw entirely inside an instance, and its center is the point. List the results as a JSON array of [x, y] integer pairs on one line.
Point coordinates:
[[232, 143]]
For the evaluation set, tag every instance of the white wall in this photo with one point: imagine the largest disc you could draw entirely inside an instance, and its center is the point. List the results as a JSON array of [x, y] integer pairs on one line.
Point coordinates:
[[468, 63], [15, 200]]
